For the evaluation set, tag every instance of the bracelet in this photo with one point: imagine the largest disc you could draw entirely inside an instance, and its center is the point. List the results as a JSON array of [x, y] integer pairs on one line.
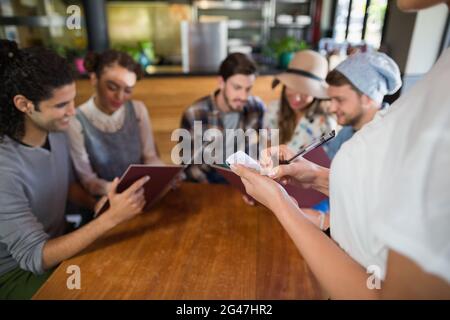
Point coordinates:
[[322, 220]]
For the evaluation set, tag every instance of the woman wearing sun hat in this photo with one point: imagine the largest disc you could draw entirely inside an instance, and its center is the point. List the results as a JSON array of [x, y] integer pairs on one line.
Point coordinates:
[[298, 114]]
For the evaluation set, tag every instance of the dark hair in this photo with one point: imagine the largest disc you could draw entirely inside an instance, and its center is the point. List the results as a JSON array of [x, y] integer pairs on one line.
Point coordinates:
[[236, 63], [337, 79], [33, 73], [287, 120], [97, 62]]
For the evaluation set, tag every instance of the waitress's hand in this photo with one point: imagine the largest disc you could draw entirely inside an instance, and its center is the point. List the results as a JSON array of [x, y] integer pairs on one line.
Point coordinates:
[[248, 200], [261, 188], [269, 155], [320, 219], [299, 172]]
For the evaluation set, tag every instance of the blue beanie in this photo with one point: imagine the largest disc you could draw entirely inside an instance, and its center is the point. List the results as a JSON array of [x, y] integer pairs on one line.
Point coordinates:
[[373, 73]]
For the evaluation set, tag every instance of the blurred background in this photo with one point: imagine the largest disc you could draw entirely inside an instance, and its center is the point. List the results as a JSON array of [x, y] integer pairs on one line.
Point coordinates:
[[180, 43], [165, 34]]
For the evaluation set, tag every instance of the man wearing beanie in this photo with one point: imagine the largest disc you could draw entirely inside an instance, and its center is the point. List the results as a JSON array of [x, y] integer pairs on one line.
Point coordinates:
[[357, 87]]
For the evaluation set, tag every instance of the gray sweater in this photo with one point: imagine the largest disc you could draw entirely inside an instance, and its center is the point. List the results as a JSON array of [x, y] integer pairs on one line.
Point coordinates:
[[33, 191]]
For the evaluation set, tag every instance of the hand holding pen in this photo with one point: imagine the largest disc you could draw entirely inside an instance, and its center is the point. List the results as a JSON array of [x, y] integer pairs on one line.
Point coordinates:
[[315, 144], [300, 172]]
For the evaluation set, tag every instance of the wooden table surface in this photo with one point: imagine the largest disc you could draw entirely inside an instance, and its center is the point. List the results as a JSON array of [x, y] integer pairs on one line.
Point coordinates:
[[199, 242]]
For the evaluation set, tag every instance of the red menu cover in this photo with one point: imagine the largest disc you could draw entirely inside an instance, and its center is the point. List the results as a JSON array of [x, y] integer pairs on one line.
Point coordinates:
[[160, 182], [308, 198]]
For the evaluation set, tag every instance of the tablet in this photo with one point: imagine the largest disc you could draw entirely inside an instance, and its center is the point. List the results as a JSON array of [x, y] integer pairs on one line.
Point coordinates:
[[161, 180]]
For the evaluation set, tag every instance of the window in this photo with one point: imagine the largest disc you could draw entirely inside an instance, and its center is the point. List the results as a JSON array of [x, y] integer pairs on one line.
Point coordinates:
[[360, 20]]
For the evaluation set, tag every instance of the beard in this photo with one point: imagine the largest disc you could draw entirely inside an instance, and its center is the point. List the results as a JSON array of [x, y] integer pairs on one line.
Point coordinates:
[[352, 121], [227, 101]]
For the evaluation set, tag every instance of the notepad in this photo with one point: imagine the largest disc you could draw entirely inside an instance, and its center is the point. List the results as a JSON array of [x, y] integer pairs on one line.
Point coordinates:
[[244, 159]]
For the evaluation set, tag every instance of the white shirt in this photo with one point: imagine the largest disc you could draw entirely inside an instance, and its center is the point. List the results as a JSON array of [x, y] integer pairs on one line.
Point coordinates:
[[107, 123], [390, 183]]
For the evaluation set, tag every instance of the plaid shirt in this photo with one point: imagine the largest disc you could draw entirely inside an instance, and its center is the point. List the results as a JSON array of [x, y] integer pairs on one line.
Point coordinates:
[[206, 111]]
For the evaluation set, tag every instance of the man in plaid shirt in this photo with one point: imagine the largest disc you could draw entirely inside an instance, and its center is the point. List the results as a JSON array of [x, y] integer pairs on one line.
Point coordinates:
[[230, 107]]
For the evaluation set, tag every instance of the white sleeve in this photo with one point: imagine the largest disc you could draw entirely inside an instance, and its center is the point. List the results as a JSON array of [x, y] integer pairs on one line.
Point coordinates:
[[418, 224], [81, 162], [149, 153]]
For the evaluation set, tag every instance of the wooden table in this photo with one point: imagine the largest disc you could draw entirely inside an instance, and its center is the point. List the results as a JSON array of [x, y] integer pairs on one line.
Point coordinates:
[[199, 242]]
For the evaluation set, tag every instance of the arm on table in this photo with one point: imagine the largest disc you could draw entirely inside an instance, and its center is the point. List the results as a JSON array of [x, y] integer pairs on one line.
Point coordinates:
[[123, 207]]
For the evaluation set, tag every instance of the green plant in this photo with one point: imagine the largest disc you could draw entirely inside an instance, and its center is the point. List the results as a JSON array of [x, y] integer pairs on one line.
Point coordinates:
[[282, 51], [287, 44], [70, 53]]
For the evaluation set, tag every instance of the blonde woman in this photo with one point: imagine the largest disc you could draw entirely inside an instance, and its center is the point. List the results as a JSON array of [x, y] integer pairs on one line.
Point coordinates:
[[298, 114]]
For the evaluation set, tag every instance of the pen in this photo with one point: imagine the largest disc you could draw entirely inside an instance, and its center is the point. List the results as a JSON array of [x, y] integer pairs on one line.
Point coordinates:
[[316, 143]]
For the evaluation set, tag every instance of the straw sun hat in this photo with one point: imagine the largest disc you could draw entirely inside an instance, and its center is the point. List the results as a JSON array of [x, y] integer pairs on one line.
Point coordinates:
[[305, 74]]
